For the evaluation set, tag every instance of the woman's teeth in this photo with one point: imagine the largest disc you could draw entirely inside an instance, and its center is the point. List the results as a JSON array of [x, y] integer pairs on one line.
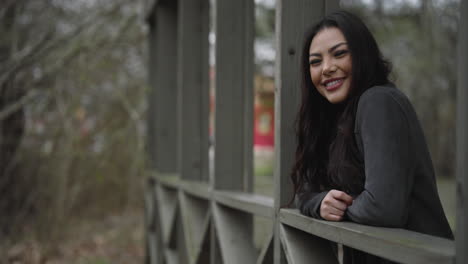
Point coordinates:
[[332, 83]]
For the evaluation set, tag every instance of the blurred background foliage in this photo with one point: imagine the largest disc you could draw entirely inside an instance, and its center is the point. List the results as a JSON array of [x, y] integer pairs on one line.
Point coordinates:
[[73, 100], [73, 85]]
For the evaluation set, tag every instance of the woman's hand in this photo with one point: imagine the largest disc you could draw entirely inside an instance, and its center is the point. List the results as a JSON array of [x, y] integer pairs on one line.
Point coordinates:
[[334, 205]]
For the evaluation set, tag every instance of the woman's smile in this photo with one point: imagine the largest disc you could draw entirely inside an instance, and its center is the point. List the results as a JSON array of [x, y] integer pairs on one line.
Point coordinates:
[[333, 84]]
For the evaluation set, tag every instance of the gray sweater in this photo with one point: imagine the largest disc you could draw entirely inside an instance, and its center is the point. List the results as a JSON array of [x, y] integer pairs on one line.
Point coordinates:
[[400, 188]]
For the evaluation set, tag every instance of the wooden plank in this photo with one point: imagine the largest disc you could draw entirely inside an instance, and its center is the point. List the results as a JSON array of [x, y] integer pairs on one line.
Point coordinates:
[[266, 253], [154, 227], [303, 248], [150, 208], [203, 253], [181, 232], [165, 110], [198, 189], [168, 180], [215, 248], [194, 216], [292, 19], [234, 87], [250, 203], [202, 191], [193, 92], [153, 248], [167, 205], [462, 137], [395, 244], [171, 256], [248, 83], [234, 234]]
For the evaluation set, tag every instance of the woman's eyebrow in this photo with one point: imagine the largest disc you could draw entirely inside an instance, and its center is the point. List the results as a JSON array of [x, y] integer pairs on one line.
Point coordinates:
[[329, 50], [336, 46]]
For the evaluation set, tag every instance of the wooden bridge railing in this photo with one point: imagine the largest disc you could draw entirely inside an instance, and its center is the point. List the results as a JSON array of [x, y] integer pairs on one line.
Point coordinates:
[[196, 218]]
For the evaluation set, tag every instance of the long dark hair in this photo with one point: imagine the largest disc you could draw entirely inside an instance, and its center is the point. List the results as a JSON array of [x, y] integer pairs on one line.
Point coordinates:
[[326, 154]]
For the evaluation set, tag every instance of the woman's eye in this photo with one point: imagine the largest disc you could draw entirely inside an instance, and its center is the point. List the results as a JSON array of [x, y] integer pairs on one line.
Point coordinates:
[[340, 53], [314, 62]]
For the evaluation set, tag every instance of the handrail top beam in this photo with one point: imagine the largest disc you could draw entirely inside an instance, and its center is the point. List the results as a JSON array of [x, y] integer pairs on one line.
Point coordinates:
[[392, 243]]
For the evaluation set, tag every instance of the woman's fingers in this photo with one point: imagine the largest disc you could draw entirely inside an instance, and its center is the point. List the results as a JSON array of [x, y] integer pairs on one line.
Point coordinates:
[[332, 217], [334, 205], [335, 211], [342, 196]]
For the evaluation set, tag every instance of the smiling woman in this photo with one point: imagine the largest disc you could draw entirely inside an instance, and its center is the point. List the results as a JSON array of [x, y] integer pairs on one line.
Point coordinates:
[[361, 153], [330, 65]]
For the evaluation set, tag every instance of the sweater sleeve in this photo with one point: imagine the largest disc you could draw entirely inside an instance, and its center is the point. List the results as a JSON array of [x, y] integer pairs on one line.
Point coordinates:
[[383, 130], [308, 201]]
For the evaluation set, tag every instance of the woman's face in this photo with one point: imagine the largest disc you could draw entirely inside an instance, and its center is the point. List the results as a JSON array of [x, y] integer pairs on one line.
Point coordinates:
[[330, 65]]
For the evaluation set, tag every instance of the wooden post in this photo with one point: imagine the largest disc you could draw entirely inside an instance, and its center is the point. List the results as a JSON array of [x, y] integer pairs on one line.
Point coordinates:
[[234, 92], [462, 138], [193, 92], [163, 78], [234, 30], [292, 20]]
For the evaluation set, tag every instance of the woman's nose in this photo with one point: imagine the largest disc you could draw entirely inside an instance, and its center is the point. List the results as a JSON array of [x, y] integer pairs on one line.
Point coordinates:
[[328, 67]]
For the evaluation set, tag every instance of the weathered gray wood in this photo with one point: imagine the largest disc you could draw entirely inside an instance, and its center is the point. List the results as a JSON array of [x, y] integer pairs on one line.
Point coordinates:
[[167, 206], [164, 117], [154, 228], [205, 252], [171, 256], [152, 248], [198, 189], [215, 248], [234, 234], [195, 222], [248, 84], [395, 244], [462, 137], [181, 231], [150, 208], [193, 92], [250, 203], [303, 248], [266, 253], [292, 19], [168, 180], [234, 88]]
